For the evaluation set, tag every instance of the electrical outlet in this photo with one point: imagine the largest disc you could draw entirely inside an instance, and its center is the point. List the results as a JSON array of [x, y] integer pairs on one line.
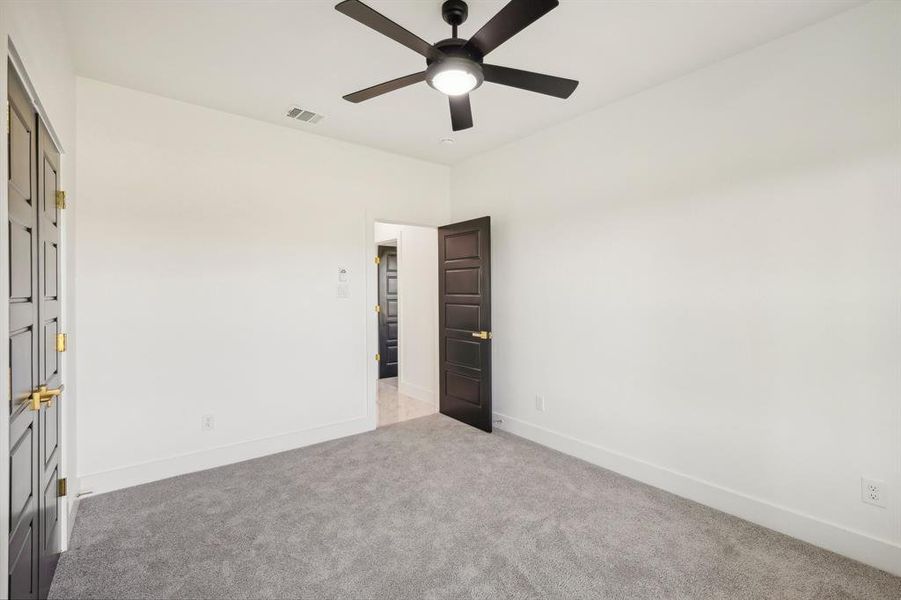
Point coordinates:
[[872, 491], [539, 402], [207, 423]]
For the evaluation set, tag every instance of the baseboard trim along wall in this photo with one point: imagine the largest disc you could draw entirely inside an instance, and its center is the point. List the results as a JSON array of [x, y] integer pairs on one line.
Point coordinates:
[[881, 554], [115, 479], [417, 391]]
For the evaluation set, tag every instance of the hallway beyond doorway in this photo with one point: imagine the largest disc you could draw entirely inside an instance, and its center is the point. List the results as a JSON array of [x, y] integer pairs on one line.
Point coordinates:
[[394, 407]]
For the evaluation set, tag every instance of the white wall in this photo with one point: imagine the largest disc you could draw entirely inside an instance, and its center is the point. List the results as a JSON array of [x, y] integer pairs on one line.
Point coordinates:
[[38, 35], [703, 281], [208, 247], [386, 232], [417, 256]]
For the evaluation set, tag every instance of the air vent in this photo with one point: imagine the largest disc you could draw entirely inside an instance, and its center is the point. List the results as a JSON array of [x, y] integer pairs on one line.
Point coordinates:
[[300, 114]]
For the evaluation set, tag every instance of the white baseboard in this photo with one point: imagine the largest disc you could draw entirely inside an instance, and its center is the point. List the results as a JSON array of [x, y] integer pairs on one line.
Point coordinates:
[[876, 552], [417, 391], [115, 479]]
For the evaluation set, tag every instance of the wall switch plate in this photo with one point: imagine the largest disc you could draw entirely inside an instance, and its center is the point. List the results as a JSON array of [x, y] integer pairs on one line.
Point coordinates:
[[207, 423], [539, 402], [872, 491]]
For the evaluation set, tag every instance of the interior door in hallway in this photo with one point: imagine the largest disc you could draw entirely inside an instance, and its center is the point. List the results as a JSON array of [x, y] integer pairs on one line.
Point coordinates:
[[388, 353], [464, 321], [34, 285]]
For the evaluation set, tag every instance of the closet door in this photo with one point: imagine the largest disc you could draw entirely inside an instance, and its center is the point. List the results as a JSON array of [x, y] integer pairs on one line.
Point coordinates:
[[24, 421], [49, 359], [34, 362]]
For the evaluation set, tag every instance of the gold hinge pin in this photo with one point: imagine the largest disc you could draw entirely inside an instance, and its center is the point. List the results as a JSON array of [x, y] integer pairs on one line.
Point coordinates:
[[378, 308], [62, 487], [378, 260], [378, 357], [61, 342], [60, 199]]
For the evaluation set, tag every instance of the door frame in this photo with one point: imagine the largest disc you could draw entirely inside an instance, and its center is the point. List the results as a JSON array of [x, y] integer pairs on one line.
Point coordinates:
[[370, 317], [69, 504]]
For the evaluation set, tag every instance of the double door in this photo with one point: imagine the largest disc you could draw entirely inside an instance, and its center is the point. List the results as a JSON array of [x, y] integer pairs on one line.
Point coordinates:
[[35, 343]]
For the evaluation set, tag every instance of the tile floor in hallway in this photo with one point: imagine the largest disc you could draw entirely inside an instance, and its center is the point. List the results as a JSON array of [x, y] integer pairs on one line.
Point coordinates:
[[395, 407]]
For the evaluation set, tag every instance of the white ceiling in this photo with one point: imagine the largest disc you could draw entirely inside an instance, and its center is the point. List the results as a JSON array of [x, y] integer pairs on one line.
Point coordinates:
[[257, 58]]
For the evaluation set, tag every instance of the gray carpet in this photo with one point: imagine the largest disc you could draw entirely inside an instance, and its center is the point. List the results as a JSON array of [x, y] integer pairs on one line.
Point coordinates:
[[431, 508]]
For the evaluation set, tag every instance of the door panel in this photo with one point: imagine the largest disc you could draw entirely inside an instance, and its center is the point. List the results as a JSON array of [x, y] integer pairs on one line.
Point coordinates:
[[49, 374], [463, 317], [464, 313], [388, 315], [23, 344], [22, 566], [50, 515], [34, 322], [464, 353]]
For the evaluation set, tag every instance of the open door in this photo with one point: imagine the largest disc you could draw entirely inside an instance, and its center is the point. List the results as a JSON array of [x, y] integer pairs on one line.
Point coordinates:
[[464, 321]]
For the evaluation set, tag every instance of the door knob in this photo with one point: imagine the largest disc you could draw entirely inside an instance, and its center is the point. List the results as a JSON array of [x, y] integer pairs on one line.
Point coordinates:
[[43, 395], [482, 335]]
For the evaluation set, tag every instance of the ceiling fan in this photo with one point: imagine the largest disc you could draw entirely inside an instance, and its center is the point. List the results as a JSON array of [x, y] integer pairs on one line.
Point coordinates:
[[456, 66]]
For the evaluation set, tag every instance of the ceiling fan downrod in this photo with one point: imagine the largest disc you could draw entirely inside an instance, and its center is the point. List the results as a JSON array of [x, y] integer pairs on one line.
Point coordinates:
[[454, 13]]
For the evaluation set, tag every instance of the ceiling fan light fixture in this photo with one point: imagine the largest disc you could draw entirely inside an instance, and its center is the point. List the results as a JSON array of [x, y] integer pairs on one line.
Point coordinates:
[[454, 82], [454, 76]]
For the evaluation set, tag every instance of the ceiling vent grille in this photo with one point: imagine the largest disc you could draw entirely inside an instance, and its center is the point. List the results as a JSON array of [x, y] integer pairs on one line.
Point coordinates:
[[300, 114]]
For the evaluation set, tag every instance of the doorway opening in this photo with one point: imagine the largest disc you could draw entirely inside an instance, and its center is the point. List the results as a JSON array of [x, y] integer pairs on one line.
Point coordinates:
[[407, 310]]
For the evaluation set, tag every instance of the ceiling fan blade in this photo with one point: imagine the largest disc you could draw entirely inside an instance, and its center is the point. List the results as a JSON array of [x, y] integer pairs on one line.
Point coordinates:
[[384, 88], [527, 80], [371, 18], [510, 20], [461, 112]]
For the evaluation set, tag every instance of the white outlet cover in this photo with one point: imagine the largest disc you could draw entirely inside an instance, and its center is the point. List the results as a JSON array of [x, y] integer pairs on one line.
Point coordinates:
[[207, 423], [872, 492]]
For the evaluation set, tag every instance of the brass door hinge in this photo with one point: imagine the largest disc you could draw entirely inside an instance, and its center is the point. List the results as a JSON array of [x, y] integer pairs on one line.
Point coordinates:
[[62, 488], [378, 260], [378, 308], [378, 357], [60, 199], [61, 342]]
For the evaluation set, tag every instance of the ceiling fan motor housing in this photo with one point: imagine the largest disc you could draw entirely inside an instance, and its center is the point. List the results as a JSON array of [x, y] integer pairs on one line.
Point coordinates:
[[457, 56], [457, 48]]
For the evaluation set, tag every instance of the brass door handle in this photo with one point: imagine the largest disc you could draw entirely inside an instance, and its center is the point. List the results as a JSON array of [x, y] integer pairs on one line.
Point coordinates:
[[42, 395], [482, 335]]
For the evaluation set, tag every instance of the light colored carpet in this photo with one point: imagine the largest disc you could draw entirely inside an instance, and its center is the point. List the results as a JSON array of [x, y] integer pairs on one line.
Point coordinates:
[[431, 508]]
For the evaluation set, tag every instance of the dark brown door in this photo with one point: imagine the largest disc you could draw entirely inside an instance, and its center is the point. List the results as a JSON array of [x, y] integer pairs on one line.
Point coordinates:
[[464, 319], [34, 541], [387, 312]]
